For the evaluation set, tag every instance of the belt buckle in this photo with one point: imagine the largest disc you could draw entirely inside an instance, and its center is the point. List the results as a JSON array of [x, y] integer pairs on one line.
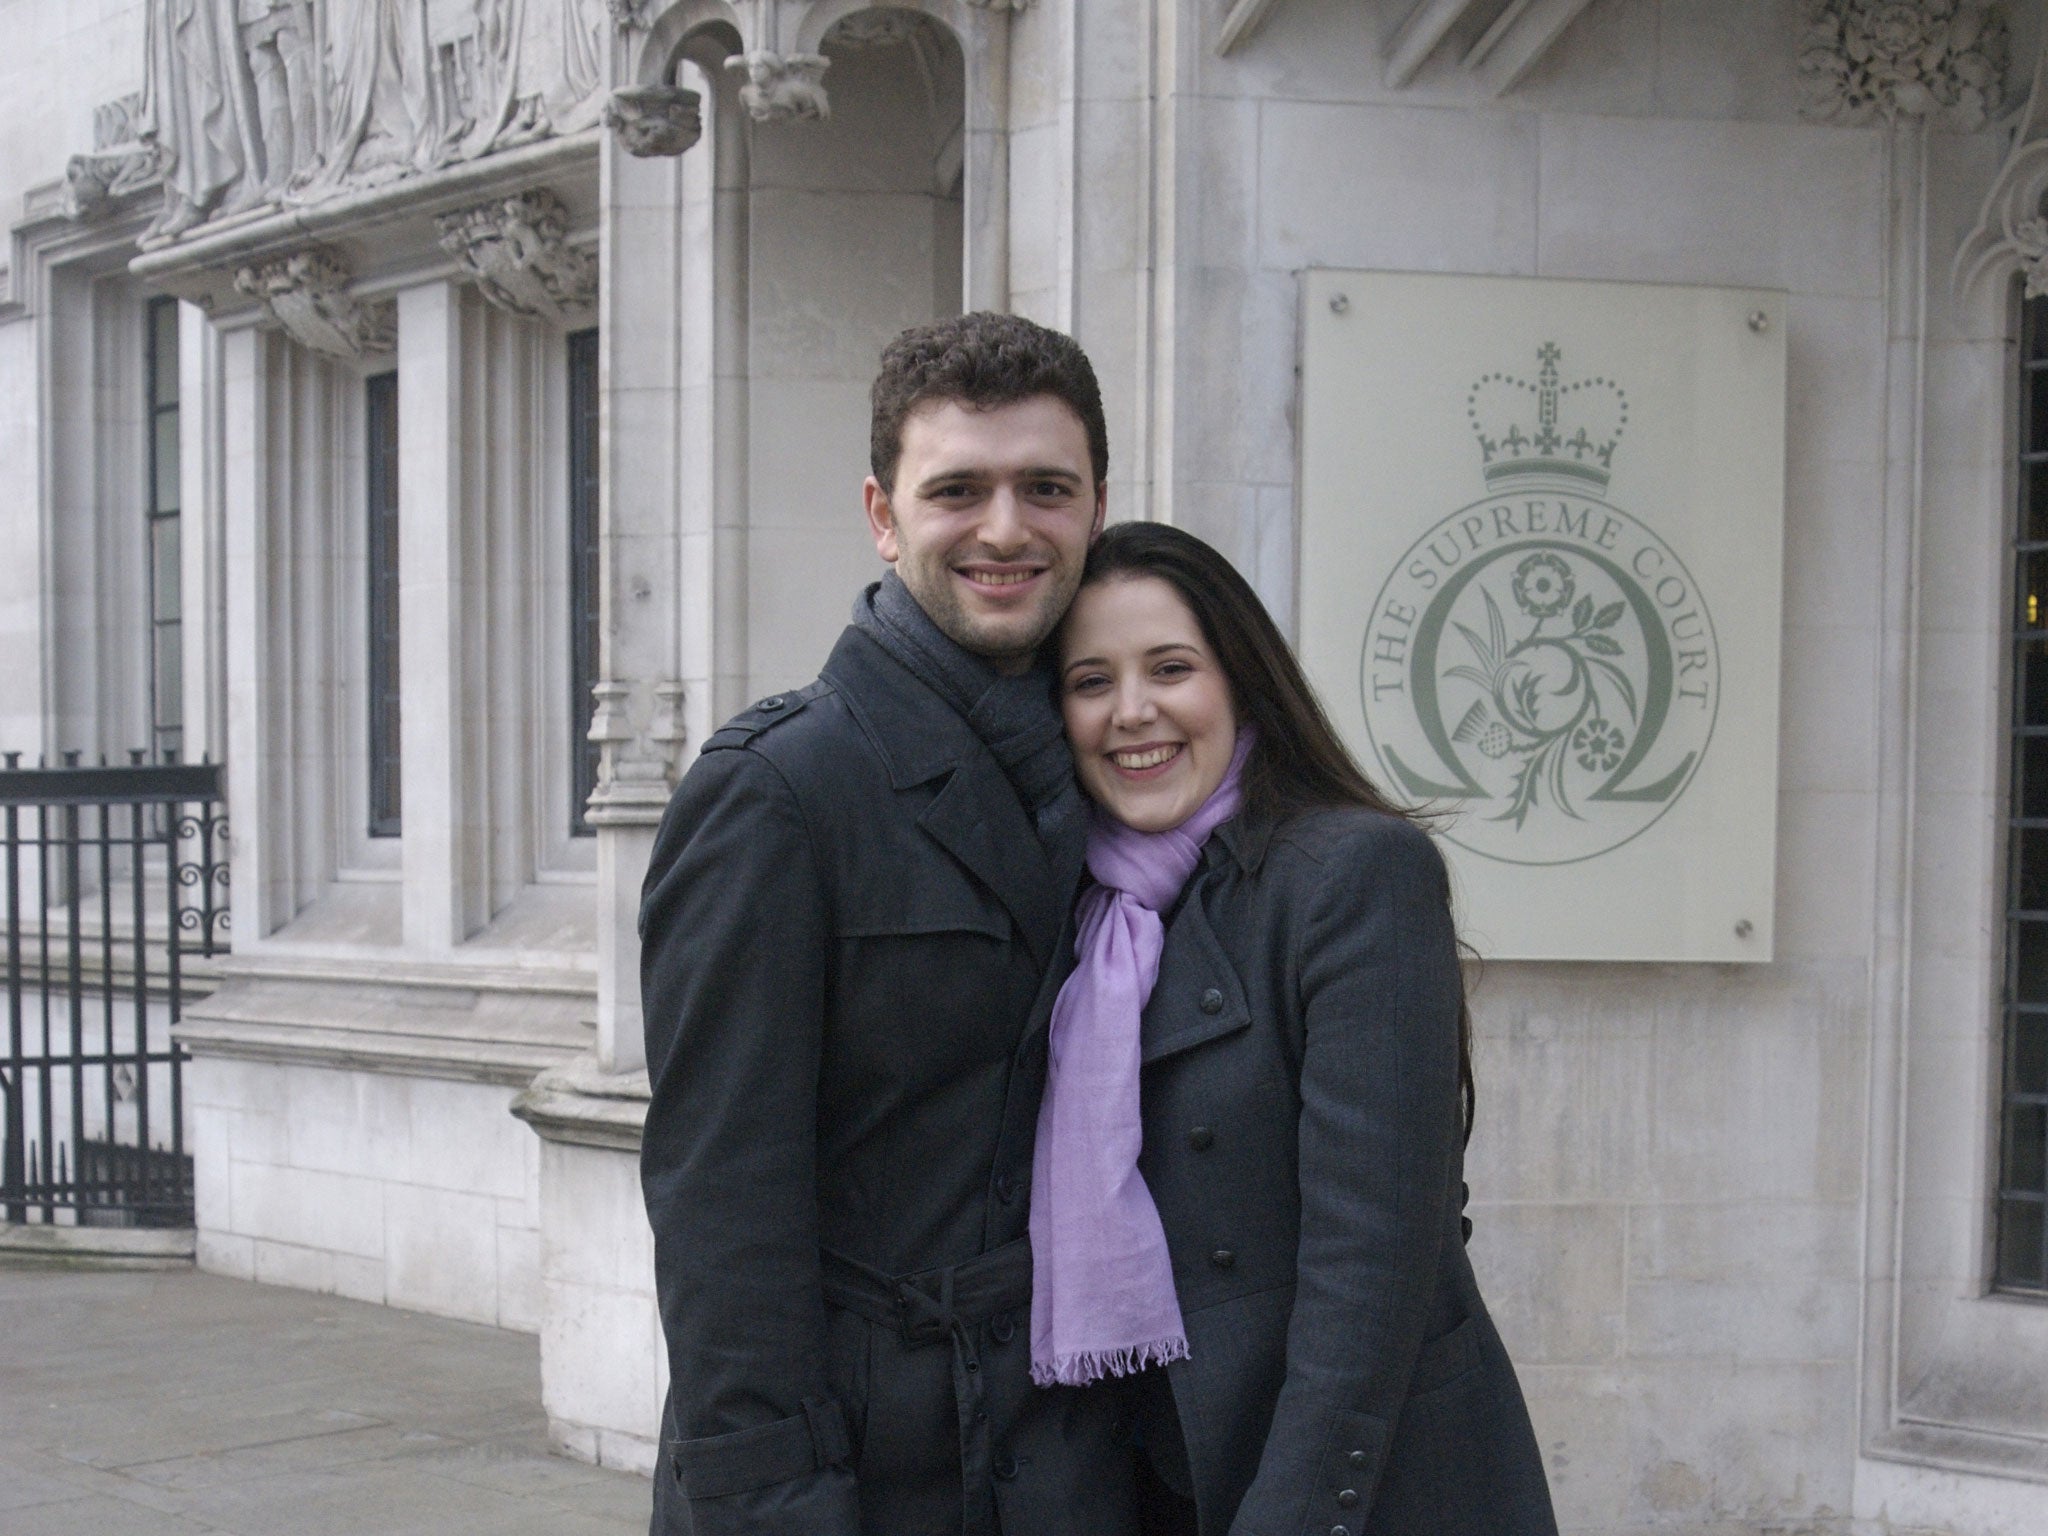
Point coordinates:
[[921, 1317]]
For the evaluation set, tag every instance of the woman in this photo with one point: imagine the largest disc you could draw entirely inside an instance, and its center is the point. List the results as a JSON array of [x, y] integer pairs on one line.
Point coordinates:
[[1288, 993]]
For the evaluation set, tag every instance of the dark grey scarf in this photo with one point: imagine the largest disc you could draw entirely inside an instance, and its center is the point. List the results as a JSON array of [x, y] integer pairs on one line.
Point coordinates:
[[1013, 716]]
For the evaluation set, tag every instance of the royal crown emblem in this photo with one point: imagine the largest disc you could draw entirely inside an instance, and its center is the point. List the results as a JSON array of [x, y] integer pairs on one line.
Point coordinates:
[[1547, 432], [1540, 662]]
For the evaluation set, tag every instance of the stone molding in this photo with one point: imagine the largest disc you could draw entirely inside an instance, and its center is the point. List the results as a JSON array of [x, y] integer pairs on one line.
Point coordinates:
[[2011, 232], [307, 292], [516, 250], [781, 88], [475, 1025], [655, 120], [579, 1104], [1940, 61]]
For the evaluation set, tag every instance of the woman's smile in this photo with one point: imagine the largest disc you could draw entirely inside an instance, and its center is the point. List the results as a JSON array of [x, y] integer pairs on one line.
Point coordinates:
[[1147, 707]]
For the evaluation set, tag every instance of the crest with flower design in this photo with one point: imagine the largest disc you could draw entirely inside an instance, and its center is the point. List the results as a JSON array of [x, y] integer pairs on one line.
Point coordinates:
[[1554, 695]]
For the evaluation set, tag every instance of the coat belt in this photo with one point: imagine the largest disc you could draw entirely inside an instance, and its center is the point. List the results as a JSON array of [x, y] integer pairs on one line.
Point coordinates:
[[946, 1304]]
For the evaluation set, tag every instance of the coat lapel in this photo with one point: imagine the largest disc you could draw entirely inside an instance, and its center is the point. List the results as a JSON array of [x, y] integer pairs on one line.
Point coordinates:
[[1193, 971], [977, 819], [976, 816]]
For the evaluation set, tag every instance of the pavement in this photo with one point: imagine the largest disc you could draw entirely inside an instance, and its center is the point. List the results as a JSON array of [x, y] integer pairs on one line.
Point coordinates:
[[168, 1402]]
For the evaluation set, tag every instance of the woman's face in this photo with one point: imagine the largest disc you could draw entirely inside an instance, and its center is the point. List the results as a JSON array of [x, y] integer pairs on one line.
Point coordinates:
[[1147, 707]]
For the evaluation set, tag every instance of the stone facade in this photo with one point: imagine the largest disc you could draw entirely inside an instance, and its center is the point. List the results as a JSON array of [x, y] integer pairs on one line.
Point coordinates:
[[1733, 1219]]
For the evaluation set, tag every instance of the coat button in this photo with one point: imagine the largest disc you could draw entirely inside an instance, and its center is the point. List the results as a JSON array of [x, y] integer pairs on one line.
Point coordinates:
[[1201, 1138], [1357, 1459], [1338, 1530], [1004, 1327], [1006, 1466], [1212, 1001], [1348, 1497], [1006, 1190], [1223, 1258], [774, 701]]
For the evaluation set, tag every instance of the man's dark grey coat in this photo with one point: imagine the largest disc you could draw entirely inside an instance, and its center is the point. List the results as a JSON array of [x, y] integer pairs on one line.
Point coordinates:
[[852, 936]]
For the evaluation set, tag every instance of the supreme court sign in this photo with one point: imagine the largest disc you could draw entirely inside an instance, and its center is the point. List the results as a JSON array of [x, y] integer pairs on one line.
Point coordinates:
[[1541, 547]]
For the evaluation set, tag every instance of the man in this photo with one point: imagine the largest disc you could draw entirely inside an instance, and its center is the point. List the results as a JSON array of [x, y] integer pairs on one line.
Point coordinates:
[[855, 920]]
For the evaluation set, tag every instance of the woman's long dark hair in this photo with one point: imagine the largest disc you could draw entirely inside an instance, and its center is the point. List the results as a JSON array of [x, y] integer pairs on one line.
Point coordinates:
[[1297, 763]]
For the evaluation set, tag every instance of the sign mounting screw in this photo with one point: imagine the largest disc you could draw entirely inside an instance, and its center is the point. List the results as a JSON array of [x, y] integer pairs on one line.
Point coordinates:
[[1340, 303], [1744, 928], [1759, 321]]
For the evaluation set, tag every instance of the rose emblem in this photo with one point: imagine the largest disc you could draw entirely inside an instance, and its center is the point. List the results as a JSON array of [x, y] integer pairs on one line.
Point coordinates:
[[1543, 586]]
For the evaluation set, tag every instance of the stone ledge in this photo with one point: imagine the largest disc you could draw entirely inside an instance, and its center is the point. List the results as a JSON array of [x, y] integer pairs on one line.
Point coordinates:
[[1954, 1449], [469, 1026], [99, 1247], [579, 1104]]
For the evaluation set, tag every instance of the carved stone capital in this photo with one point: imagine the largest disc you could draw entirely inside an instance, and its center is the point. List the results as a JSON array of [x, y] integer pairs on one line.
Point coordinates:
[[1001, 5], [1939, 61], [516, 249], [654, 120], [782, 87], [307, 293], [627, 14]]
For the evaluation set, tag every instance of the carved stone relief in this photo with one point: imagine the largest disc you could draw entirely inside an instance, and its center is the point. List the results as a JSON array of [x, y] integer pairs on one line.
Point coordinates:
[[252, 103], [517, 251], [119, 161], [782, 87], [307, 293], [1942, 61], [2011, 230], [876, 29]]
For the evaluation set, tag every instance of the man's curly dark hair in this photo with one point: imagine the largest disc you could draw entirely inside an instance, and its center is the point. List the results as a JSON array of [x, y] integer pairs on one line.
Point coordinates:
[[982, 360]]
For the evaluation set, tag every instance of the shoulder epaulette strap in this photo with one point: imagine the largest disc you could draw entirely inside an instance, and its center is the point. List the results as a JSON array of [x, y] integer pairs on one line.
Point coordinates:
[[764, 715]]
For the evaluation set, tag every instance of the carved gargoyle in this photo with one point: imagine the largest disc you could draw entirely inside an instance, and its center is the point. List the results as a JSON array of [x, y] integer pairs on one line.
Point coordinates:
[[782, 87], [655, 120]]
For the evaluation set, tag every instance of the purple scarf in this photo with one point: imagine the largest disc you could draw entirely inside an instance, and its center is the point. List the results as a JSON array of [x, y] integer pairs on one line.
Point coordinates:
[[1102, 1299]]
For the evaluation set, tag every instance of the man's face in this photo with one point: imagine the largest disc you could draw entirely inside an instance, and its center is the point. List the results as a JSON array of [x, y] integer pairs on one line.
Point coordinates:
[[990, 520]]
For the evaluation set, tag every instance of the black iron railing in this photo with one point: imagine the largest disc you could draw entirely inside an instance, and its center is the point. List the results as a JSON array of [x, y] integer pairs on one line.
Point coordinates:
[[114, 878]]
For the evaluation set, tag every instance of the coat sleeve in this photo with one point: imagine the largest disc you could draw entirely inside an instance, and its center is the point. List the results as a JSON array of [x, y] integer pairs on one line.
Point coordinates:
[[733, 944], [1381, 1143]]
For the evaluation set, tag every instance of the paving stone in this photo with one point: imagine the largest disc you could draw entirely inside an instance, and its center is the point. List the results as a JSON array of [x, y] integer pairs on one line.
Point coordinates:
[[172, 1403]]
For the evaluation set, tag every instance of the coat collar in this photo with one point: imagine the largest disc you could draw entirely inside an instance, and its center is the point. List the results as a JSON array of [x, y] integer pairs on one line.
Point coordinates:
[[918, 734], [1246, 840]]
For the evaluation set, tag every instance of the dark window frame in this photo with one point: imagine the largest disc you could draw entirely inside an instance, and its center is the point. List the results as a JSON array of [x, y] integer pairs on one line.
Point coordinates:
[[2020, 1213], [162, 577], [381, 682], [584, 573]]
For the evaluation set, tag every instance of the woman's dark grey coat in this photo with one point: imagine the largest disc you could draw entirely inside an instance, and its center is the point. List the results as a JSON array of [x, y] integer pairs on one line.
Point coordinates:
[[1303, 1144]]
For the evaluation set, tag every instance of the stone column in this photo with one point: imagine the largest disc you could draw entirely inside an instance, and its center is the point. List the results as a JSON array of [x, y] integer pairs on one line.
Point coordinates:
[[259, 897], [444, 854], [645, 444], [201, 569]]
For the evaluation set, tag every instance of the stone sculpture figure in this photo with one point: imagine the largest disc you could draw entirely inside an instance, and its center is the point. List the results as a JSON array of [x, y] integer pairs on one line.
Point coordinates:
[[376, 101], [281, 40], [198, 112], [782, 87]]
